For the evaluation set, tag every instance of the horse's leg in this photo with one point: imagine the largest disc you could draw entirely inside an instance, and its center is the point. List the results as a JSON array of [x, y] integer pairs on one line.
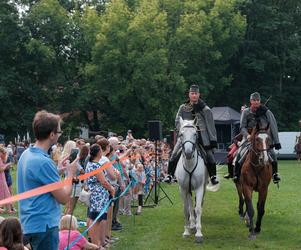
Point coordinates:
[[241, 200], [191, 213], [260, 208], [184, 195], [250, 210], [198, 210]]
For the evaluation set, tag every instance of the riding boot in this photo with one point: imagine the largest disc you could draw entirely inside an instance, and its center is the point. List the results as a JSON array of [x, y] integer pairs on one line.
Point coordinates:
[[237, 170], [276, 177], [230, 171], [211, 167], [172, 163]]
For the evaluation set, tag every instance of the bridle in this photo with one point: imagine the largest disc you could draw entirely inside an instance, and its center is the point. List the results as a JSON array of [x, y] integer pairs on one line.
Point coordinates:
[[193, 150], [258, 152], [189, 141]]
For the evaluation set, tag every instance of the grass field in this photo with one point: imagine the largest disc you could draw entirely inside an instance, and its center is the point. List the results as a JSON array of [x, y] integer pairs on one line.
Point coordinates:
[[162, 227]]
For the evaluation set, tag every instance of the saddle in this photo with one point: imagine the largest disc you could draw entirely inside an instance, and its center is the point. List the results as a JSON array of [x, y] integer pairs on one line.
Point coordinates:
[[232, 152]]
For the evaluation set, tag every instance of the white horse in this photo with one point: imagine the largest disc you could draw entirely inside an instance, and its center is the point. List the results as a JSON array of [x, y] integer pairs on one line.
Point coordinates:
[[191, 174]]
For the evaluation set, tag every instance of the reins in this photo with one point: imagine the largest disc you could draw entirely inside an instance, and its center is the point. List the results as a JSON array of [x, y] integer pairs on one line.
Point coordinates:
[[197, 158], [190, 173]]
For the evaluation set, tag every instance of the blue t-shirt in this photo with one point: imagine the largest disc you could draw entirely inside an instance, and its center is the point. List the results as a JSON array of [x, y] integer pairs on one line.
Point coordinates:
[[36, 169]]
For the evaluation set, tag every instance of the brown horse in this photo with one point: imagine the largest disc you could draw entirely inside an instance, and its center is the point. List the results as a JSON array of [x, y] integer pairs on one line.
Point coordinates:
[[256, 174]]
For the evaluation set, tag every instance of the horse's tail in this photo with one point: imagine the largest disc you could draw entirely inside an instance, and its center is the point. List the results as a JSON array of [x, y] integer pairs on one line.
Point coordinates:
[[212, 188]]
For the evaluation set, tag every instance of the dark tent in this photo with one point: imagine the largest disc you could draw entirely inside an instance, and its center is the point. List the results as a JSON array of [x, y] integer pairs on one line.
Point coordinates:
[[227, 126], [225, 115]]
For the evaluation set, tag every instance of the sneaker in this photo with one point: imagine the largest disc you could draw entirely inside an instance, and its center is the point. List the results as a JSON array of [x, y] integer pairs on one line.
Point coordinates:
[[114, 239], [117, 223], [213, 180], [167, 179], [276, 178], [116, 227]]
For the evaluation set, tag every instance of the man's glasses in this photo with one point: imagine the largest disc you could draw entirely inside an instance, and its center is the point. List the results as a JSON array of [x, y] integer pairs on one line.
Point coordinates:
[[59, 132]]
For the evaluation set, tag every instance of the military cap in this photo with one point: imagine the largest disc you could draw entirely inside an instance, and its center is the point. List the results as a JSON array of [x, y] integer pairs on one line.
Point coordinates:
[[255, 96], [194, 88]]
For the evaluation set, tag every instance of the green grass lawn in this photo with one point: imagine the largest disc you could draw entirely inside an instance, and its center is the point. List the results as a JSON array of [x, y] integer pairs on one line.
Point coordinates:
[[162, 227]]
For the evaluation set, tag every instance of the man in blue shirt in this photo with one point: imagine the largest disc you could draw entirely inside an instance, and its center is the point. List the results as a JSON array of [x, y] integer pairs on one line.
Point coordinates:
[[40, 214]]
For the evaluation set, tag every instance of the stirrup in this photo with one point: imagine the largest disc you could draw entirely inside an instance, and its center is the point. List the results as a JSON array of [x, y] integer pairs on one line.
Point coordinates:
[[213, 180], [276, 178], [235, 179]]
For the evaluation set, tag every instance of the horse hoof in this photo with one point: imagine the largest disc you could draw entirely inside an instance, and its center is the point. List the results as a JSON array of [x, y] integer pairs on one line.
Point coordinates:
[[247, 221], [252, 236], [199, 239], [185, 235]]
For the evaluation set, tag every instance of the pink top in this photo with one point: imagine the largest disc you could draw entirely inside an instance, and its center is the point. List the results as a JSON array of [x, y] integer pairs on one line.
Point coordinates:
[[73, 236]]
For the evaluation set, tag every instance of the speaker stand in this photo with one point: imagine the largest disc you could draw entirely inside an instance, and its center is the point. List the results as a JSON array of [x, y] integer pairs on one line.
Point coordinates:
[[156, 187]]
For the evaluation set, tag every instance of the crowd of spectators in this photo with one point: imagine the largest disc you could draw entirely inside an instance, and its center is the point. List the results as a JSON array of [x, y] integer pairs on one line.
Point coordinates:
[[135, 162]]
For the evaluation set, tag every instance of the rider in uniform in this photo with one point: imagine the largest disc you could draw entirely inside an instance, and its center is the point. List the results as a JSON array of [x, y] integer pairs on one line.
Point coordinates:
[[257, 114], [191, 109]]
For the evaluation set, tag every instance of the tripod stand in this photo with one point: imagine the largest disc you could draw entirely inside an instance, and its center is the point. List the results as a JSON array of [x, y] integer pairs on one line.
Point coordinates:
[[156, 187]]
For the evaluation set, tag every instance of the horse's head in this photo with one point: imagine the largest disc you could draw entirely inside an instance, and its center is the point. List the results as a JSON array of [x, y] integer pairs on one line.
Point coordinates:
[[260, 140], [188, 136]]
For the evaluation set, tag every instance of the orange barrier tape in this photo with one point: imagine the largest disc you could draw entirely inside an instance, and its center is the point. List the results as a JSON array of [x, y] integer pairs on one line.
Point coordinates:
[[56, 185]]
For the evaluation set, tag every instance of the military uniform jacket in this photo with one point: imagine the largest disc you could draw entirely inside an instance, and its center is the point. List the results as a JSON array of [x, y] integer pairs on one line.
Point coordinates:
[[205, 122], [248, 121]]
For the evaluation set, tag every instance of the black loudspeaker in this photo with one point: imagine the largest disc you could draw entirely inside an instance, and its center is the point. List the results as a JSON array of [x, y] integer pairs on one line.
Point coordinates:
[[155, 130]]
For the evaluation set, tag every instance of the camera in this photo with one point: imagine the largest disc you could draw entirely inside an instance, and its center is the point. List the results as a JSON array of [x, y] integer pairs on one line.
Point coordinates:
[[73, 154]]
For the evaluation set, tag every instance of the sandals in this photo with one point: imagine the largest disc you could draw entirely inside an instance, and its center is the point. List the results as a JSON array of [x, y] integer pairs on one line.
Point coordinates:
[[106, 245]]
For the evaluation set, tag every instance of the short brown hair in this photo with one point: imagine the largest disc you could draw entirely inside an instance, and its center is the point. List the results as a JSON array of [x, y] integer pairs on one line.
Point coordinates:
[[103, 143], [44, 123]]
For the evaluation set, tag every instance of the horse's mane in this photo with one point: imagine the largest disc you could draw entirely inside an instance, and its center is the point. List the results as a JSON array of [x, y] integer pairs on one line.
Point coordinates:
[[187, 122]]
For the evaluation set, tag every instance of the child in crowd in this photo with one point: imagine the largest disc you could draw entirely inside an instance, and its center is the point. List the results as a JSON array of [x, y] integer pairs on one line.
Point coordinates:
[[11, 236], [4, 190], [74, 234], [148, 174], [139, 188]]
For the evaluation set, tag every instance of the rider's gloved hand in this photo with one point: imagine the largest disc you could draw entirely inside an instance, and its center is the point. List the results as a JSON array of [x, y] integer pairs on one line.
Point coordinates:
[[197, 107], [213, 144], [277, 146]]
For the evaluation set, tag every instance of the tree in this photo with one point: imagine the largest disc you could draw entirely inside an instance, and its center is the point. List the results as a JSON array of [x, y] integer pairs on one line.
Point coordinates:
[[208, 35], [269, 59], [17, 108]]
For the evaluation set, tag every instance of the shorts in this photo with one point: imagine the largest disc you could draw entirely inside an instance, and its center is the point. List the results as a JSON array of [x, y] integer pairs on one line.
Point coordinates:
[[93, 216]]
